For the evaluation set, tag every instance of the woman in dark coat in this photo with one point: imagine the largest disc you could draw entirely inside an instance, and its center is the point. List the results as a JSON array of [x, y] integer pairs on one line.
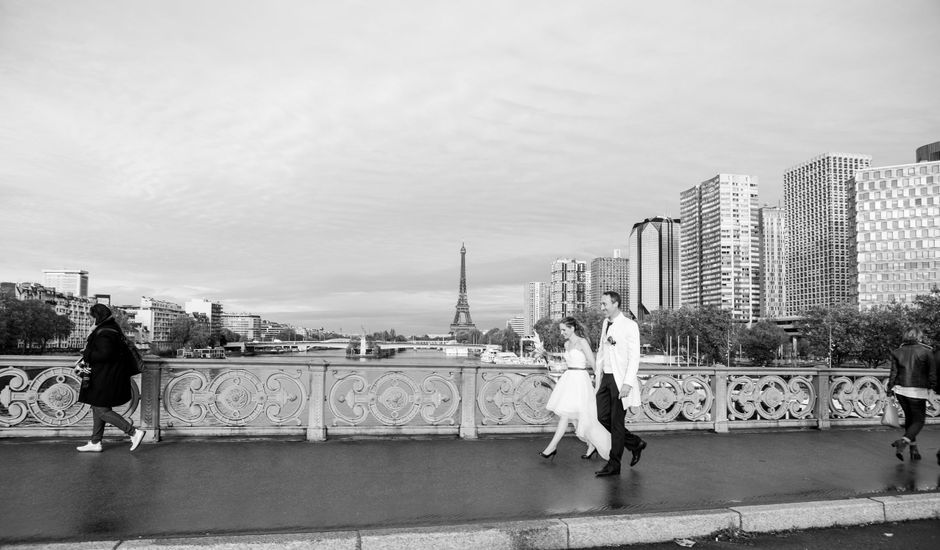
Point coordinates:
[[106, 359], [913, 374]]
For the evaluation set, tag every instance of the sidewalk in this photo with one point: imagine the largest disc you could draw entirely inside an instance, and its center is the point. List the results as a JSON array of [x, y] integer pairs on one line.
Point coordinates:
[[223, 487]]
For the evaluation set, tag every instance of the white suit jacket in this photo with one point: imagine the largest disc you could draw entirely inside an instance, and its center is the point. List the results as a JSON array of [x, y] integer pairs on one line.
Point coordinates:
[[623, 356]]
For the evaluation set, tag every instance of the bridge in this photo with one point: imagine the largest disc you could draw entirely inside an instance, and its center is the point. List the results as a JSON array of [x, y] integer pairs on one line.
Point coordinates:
[[773, 450]]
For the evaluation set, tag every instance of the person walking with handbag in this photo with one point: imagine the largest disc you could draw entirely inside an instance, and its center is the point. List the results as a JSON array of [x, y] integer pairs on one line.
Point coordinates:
[[106, 362], [913, 374]]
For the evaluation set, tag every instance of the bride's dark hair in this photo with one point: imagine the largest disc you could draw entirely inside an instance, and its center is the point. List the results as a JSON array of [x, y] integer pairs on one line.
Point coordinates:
[[576, 325]]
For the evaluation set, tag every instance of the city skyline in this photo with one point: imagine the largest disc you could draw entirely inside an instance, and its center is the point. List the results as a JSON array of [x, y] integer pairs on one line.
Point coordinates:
[[313, 166]]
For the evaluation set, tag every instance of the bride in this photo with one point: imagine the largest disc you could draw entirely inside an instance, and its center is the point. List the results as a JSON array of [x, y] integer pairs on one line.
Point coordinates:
[[573, 398]]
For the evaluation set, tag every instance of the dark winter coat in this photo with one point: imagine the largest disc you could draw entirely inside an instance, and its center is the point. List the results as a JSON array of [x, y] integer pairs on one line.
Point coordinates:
[[106, 352], [912, 366]]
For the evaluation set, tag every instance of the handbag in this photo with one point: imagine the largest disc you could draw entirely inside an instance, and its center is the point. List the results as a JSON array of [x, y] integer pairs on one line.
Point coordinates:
[[890, 415], [135, 361]]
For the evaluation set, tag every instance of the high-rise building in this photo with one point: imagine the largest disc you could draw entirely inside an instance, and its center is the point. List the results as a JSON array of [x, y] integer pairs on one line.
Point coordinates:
[[66, 281], [719, 248], [773, 261], [928, 153], [246, 325], [610, 273], [655, 274], [212, 311], [517, 324], [896, 234], [534, 304], [819, 256], [158, 316], [568, 290]]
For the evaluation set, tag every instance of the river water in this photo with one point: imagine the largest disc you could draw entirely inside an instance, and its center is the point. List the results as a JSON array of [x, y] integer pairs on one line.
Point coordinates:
[[421, 357]]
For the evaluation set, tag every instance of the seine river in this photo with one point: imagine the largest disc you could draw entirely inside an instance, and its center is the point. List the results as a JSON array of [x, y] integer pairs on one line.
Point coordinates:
[[338, 357]]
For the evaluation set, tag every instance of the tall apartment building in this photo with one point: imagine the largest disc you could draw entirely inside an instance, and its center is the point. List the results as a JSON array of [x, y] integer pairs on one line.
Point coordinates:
[[568, 290], [896, 234], [719, 250], [772, 225], [819, 253], [535, 298], [158, 317], [212, 312], [610, 273], [246, 325], [655, 271], [66, 281]]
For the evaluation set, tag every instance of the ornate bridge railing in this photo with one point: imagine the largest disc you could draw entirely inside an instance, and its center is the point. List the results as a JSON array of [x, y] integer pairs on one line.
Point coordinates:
[[38, 397]]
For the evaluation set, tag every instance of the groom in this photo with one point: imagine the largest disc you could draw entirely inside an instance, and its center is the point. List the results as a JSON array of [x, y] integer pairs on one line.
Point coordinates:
[[617, 386]]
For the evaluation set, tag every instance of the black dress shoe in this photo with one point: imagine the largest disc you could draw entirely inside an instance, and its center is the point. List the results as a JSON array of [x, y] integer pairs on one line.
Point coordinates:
[[603, 472], [549, 456], [636, 453]]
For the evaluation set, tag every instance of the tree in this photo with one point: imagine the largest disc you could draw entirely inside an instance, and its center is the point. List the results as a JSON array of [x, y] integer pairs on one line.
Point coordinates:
[[879, 330], [761, 342], [926, 315], [828, 332], [187, 332], [547, 330], [229, 336], [33, 322]]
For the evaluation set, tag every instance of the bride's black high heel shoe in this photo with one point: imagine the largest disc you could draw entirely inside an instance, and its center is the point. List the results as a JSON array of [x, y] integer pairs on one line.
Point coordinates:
[[590, 455], [549, 456]]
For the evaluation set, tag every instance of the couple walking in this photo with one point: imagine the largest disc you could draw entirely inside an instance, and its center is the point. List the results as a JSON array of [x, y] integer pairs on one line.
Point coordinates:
[[598, 411]]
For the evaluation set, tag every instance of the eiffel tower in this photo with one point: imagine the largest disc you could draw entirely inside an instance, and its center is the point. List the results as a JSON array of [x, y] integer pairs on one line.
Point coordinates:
[[462, 321]]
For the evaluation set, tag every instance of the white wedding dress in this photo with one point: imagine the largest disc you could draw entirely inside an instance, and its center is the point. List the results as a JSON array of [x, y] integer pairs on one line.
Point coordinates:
[[574, 397]]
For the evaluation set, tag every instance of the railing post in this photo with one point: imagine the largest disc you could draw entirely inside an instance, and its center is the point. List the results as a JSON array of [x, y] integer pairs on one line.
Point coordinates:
[[150, 400], [316, 429], [720, 404], [821, 386], [468, 402]]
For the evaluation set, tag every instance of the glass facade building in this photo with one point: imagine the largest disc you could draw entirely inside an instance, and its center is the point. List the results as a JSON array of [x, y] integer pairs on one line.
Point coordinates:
[[896, 234]]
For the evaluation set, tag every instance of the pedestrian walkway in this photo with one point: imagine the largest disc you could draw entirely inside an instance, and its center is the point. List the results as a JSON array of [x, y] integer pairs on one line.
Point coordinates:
[[224, 486]]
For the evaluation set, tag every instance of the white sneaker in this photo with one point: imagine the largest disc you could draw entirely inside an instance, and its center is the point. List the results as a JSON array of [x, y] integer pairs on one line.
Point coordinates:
[[89, 448], [137, 438]]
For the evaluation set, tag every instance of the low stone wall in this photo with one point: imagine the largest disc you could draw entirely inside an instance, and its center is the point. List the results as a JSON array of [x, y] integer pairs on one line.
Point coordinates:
[[294, 397]]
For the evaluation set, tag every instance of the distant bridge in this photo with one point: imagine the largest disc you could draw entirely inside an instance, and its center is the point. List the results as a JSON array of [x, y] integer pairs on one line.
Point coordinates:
[[341, 343]]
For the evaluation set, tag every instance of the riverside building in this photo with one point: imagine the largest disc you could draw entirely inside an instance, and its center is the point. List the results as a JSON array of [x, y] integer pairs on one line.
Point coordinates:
[[569, 287], [610, 273], [719, 248], [819, 254], [896, 232], [66, 281], [534, 304], [655, 274], [773, 261], [158, 317]]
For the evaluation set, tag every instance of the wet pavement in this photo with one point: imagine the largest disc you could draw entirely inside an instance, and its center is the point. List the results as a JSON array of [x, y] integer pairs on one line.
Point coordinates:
[[225, 486]]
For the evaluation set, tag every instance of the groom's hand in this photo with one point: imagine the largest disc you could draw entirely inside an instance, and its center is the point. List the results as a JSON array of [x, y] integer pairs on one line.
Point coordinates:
[[625, 390]]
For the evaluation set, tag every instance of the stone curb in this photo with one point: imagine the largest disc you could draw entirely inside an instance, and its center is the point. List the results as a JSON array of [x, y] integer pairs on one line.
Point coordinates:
[[563, 533]]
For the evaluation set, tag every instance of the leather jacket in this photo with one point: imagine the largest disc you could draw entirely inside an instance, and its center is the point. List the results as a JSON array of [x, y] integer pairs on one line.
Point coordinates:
[[913, 366]]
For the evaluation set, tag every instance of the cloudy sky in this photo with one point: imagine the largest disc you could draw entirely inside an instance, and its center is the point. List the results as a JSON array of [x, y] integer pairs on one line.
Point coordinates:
[[320, 163]]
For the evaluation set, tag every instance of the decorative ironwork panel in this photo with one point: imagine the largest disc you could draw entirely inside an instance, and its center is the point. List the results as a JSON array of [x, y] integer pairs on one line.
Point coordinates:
[[770, 398], [861, 397], [666, 397], [50, 399], [396, 398], [504, 396], [236, 397]]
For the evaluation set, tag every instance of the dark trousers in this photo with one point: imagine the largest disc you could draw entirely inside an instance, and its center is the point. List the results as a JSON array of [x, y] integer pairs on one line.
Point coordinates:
[[610, 413], [101, 415], [915, 413]]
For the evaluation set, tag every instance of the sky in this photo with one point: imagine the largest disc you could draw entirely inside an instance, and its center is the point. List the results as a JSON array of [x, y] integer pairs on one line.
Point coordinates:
[[320, 163]]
